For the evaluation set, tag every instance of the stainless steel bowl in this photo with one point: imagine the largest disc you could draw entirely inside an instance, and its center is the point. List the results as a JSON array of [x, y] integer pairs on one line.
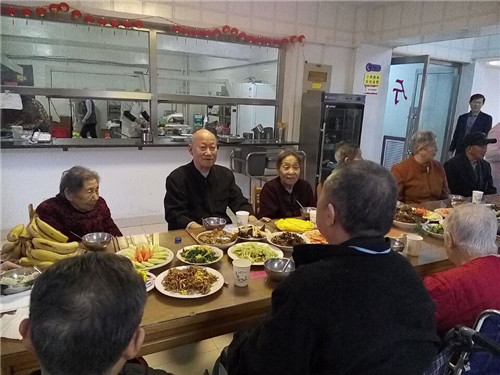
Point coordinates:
[[397, 245], [306, 212], [97, 240], [214, 223], [274, 268], [11, 281]]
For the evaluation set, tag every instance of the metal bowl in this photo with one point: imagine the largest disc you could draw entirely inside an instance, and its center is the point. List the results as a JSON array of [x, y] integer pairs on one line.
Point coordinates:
[[97, 240], [306, 212], [11, 281], [397, 245], [211, 223], [274, 268]]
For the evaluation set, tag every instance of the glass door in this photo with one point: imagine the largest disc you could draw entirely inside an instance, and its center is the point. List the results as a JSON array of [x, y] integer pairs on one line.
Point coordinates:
[[404, 99]]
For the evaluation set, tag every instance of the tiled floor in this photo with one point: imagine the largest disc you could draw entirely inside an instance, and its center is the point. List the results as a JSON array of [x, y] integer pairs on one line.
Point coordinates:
[[190, 359]]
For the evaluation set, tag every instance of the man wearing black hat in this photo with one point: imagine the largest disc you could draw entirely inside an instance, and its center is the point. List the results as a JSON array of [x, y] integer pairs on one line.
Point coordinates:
[[469, 171]]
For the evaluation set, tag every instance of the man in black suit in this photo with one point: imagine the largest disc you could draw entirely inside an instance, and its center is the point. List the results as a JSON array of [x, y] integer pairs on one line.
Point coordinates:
[[474, 121], [469, 171]]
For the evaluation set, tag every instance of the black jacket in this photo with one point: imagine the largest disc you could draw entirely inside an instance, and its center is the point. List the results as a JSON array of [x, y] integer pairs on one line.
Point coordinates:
[[482, 124], [192, 197], [462, 179], [343, 311]]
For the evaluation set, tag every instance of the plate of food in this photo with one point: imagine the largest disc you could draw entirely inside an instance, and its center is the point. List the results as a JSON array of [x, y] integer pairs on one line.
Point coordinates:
[[222, 239], [294, 225], [255, 252], [149, 279], [200, 254], [147, 257], [315, 236], [435, 230], [189, 282], [287, 240], [407, 217], [445, 211], [253, 232]]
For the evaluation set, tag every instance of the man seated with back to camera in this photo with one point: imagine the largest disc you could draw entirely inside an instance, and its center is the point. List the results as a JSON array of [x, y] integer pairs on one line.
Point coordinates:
[[351, 307], [85, 315], [468, 170], [201, 189], [463, 292]]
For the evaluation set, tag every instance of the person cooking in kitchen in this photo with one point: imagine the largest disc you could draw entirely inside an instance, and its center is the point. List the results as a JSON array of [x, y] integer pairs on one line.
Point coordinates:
[[201, 189], [134, 117]]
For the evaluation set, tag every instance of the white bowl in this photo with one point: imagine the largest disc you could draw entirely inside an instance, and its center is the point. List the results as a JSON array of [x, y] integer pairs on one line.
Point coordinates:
[[271, 236], [406, 226], [222, 246]]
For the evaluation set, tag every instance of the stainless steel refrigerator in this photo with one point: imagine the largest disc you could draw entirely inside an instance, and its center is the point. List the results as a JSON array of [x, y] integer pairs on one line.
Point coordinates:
[[326, 120]]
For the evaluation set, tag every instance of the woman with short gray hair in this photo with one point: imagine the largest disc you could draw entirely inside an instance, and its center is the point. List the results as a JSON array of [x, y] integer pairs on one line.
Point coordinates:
[[78, 208], [463, 292], [420, 178]]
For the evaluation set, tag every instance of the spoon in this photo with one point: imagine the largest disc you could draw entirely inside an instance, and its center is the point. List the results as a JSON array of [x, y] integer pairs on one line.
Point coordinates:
[[286, 264], [299, 203], [74, 234]]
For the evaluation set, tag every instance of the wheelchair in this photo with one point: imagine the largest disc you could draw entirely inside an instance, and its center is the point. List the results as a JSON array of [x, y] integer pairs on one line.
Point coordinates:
[[471, 351]]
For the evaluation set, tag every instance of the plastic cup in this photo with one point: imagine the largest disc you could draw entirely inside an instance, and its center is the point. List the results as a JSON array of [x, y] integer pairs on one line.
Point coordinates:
[[312, 216], [413, 244], [477, 196], [241, 271], [242, 217], [17, 131]]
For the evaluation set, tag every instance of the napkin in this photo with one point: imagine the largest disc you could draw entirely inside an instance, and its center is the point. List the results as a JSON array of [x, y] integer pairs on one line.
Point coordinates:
[[9, 323], [12, 302]]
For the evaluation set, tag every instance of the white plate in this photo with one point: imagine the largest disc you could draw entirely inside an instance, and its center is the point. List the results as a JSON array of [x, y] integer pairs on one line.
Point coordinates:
[[406, 226], [216, 250], [267, 233], [215, 287], [425, 227], [232, 255], [433, 216], [222, 246], [285, 248], [170, 256], [150, 283]]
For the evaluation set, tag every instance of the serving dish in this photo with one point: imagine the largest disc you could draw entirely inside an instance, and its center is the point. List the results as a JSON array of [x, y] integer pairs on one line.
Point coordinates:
[[406, 226], [217, 285], [97, 240], [161, 253], [315, 236], [289, 237], [216, 235], [252, 232], [18, 280], [426, 228], [217, 252], [213, 222], [256, 249]]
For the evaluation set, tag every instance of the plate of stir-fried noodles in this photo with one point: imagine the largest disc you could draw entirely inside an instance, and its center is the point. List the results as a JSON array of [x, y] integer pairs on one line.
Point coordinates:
[[189, 282]]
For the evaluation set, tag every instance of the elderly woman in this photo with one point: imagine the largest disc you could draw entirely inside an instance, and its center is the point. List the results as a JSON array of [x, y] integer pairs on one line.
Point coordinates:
[[420, 178], [281, 196], [78, 208], [461, 293]]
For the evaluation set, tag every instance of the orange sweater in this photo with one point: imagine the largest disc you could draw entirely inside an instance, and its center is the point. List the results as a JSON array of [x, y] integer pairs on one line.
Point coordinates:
[[420, 182]]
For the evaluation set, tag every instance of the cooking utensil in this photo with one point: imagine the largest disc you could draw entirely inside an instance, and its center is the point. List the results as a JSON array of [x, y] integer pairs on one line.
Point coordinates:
[[286, 264], [76, 235], [97, 240]]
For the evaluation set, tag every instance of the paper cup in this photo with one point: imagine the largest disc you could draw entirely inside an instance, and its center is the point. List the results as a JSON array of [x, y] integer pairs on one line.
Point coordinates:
[[312, 216], [477, 196], [413, 244], [242, 217], [17, 131], [241, 271]]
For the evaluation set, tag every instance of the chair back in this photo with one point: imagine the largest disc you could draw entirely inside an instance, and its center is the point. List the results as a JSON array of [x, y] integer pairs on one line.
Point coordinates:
[[256, 198]]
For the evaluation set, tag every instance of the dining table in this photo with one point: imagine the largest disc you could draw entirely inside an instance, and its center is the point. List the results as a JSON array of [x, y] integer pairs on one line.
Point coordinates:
[[171, 322]]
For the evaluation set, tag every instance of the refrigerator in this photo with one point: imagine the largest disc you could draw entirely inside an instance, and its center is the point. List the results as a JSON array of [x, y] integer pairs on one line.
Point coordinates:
[[246, 117], [326, 120]]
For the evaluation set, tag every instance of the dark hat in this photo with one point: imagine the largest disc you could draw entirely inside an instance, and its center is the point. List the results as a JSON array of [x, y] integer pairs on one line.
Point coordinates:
[[477, 139]]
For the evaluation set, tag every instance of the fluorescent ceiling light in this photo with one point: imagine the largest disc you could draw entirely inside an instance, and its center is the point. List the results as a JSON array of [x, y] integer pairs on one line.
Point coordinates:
[[494, 63]]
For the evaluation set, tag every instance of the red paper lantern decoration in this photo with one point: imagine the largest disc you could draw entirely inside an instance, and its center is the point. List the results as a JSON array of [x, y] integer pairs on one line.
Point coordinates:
[[11, 11], [138, 24], [185, 30], [301, 38], [276, 41], [226, 29], [208, 33], [234, 31], [76, 14], [63, 7], [54, 8], [102, 21], [41, 11], [127, 24], [242, 36], [115, 23], [251, 39], [197, 32], [89, 19], [27, 12], [284, 41], [293, 38], [216, 32], [176, 29]]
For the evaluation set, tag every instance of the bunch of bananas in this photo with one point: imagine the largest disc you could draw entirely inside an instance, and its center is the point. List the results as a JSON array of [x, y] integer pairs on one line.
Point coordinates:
[[39, 244]]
